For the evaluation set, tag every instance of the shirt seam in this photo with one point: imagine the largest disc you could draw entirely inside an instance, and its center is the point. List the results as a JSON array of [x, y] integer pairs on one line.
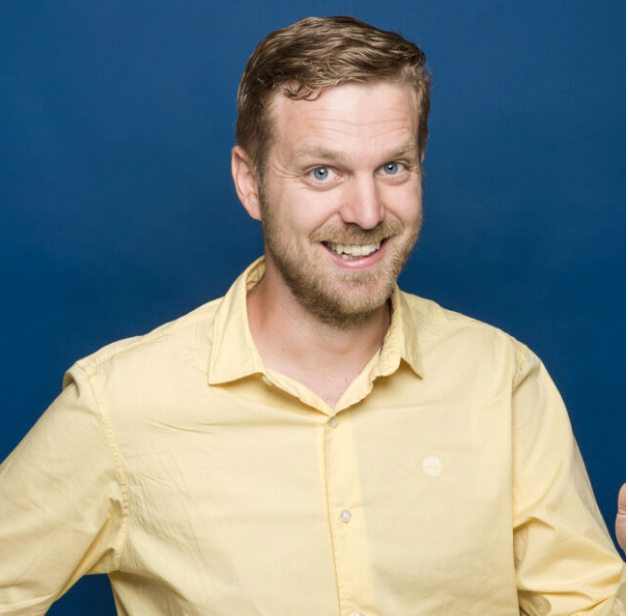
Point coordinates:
[[520, 360], [116, 457]]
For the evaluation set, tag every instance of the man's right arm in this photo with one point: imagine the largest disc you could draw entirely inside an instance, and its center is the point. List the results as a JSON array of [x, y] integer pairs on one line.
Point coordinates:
[[62, 503]]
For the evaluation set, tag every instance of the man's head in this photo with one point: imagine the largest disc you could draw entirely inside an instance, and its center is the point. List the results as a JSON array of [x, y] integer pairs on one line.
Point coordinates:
[[317, 53], [331, 137]]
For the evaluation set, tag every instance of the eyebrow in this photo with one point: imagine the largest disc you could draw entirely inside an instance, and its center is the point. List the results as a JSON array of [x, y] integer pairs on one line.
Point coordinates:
[[316, 152], [408, 147]]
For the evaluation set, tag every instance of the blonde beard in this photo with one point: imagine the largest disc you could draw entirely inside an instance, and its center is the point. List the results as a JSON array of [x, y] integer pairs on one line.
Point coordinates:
[[345, 300]]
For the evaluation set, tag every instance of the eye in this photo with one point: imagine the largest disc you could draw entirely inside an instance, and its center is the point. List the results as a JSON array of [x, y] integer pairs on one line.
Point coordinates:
[[320, 173], [323, 176], [391, 168]]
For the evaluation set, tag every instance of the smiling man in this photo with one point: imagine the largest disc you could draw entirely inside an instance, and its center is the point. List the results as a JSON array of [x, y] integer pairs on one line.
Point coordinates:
[[317, 441]]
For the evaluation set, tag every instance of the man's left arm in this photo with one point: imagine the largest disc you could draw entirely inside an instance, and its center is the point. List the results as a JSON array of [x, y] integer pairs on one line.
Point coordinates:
[[565, 559]]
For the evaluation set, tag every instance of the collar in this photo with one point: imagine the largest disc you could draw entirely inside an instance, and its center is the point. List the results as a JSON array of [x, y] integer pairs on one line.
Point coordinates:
[[402, 339], [235, 356]]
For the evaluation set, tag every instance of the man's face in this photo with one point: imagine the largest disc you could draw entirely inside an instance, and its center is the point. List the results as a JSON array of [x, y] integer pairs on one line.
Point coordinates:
[[341, 197]]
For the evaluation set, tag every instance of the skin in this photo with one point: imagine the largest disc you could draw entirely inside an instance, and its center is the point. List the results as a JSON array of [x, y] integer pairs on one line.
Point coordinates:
[[343, 168]]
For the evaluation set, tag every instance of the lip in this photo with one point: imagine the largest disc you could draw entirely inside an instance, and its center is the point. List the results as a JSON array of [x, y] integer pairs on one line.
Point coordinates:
[[357, 264]]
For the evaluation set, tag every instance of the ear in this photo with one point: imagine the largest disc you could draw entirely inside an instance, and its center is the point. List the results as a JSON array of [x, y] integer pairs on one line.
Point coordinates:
[[245, 181]]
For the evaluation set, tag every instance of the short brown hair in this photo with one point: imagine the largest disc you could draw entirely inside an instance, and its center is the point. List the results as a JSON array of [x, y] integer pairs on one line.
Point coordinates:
[[318, 53]]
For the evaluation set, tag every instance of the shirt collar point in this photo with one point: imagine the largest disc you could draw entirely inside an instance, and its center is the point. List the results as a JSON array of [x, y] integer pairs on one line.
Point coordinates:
[[233, 353], [401, 342]]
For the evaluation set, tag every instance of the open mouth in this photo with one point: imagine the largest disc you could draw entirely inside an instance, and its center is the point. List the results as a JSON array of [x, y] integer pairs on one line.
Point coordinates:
[[351, 252]]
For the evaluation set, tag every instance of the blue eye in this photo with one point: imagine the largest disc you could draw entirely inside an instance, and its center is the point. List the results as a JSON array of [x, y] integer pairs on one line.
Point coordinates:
[[391, 168], [321, 173]]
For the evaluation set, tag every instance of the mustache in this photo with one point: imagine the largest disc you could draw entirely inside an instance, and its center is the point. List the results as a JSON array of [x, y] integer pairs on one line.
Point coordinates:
[[354, 234]]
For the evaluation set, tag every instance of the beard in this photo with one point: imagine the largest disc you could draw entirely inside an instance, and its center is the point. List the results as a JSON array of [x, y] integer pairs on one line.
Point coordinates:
[[344, 299]]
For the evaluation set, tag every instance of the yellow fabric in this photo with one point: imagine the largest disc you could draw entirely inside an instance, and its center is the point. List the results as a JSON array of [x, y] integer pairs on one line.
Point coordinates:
[[445, 482]]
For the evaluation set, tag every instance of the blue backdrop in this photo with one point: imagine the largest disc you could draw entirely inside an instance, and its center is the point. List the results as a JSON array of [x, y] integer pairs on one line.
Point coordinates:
[[117, 211]]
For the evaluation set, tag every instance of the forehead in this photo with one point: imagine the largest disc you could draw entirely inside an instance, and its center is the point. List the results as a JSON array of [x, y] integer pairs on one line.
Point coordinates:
[[347, 117]]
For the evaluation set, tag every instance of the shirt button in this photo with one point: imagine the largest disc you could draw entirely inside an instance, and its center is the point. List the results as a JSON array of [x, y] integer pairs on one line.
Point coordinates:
[[333, 422], [266, 380], [345, 516]]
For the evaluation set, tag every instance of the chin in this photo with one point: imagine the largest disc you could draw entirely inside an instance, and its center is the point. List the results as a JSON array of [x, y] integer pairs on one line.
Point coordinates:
[[347, 308]]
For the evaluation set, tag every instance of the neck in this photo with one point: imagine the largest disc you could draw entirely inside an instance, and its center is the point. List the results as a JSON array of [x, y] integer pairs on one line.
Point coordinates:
[[293, 341]]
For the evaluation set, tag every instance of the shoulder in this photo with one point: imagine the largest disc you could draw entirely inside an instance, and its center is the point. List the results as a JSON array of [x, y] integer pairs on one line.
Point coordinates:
[[435, 318], [442, 332], [188, 335]]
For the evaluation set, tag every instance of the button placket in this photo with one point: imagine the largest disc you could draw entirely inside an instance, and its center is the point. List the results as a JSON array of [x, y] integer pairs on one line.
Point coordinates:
[[348, 533]]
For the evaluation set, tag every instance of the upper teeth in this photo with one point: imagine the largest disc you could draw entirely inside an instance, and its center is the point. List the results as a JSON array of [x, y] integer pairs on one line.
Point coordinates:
[[354, 251]]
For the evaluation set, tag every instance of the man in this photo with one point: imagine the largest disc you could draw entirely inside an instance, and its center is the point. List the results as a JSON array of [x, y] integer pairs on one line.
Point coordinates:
[[317, 441]]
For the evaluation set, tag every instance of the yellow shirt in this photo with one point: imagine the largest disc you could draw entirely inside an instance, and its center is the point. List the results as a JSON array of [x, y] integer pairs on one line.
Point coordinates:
[[445, 482]]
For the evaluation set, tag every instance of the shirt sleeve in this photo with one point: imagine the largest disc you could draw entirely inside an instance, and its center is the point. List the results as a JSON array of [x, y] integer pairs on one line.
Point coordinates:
[[565, 560], [62, 502]]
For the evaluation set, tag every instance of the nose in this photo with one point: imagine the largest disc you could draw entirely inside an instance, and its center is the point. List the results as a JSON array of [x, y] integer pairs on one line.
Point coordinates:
[[362, 203]]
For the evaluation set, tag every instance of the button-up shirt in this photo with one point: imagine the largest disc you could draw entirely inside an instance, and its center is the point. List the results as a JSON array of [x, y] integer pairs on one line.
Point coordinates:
[[446, 480]]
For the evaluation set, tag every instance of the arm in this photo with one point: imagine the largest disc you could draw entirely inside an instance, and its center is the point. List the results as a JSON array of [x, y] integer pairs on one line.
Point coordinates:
[[565, 559], [62, 503]]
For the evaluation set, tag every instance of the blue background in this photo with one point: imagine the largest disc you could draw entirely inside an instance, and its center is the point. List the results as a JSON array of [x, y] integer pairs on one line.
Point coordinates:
[[117, 211]]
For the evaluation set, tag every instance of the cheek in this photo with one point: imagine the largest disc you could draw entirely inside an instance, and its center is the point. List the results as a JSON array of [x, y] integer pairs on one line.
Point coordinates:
[[312, 214], [299, 208], [405, 203]]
